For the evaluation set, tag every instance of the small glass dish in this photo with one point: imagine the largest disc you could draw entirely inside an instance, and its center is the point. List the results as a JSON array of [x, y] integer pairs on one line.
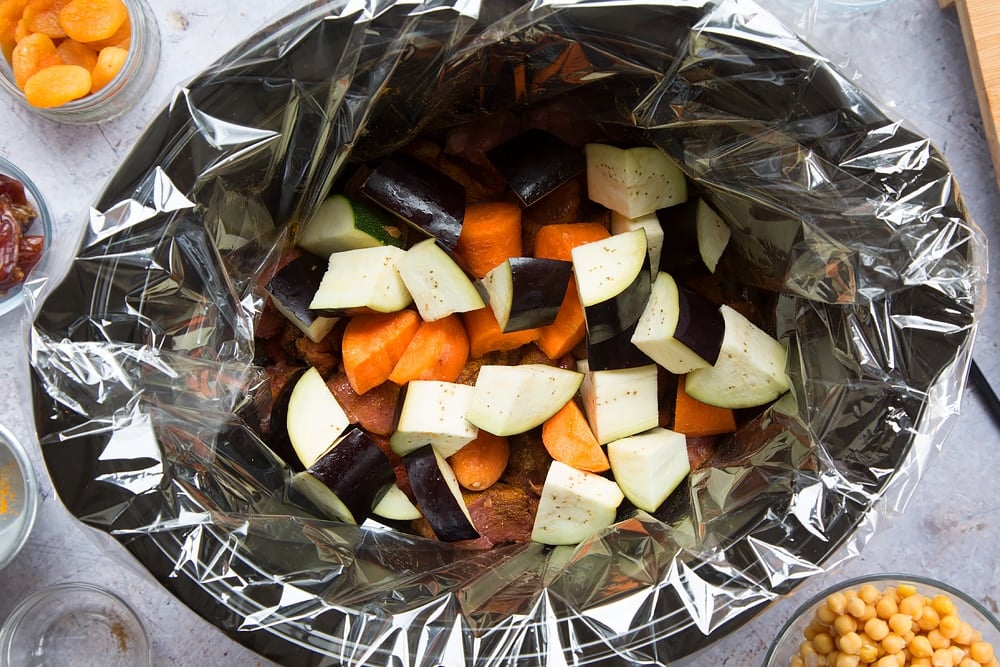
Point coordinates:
[[74, 625], [42, 225], [792, 635], [18, 496], [122, 92]]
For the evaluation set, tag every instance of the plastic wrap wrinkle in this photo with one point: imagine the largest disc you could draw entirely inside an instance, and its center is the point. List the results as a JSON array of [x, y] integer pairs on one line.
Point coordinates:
[[147, 390]]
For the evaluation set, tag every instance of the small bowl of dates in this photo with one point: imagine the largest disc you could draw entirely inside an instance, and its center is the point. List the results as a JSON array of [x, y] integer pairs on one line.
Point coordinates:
[[25, 232]]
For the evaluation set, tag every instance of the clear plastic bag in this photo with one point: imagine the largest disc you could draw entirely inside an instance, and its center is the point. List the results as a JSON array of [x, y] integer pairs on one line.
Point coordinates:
[[147, 395]]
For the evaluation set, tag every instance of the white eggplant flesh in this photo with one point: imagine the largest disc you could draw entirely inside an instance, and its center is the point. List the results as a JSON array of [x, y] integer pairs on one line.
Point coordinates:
[[633, 181], [574, 505], [365, 278], [649, 223], [433, 413], [750, 370], [396, 506], [649, 466], [606, 268], [673, 329], [438, 285], [620, 402], [513, 399], [315, 418], [713, 235]]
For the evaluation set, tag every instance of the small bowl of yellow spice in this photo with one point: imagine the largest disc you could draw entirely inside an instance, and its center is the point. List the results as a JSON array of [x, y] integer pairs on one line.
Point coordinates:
[[18, 496], [77, 61], [888, 620]]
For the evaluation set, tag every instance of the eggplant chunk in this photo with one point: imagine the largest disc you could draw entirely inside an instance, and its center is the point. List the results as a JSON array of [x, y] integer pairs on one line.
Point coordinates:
[[574, 505], [513, 399], [649, 466], [349, 479], [633, 181], [439, 495], [421, 196], [527, 292], [292, 289], [680, 330], [535, 163], [314, 419]]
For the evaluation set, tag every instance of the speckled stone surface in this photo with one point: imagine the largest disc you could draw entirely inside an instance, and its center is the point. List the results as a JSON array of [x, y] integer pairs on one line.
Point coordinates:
[[910, 52]]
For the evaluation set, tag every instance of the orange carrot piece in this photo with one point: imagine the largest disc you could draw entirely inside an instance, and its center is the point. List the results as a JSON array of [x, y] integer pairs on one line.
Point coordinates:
[[110, 61], [55, 86], [558, 241], [694, 418], [91, 20], [73, 52], [479, 464], [438, 351], [567, 438], [28, 55], [568, 329], [491, 233], [485, 334], [373, 344]]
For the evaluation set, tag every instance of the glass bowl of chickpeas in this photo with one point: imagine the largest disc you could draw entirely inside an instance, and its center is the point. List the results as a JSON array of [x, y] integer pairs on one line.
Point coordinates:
[[889, 620]]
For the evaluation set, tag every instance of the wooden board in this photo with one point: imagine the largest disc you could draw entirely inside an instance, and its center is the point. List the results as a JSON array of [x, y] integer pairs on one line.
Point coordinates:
[[945, 4], [980, 21]]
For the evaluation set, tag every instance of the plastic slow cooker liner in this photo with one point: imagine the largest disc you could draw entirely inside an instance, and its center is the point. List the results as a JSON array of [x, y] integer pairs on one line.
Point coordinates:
[[142, 355]]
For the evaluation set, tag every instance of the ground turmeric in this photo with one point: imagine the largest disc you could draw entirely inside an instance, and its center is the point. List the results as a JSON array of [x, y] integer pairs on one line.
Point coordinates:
[[8, 495]]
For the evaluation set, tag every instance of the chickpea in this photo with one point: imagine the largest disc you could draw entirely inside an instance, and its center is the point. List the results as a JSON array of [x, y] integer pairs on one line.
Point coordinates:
[[868, 593], [850, 643], [949, 625], [920, 647], [968, 662], [893, 644], [823, 643], [900, 623], [912, 606], [942, 658], [877, 629], [981, 652], [906, 590], [844, 624], [885, 608], [868, 653], [929, 619], [825, 615], [845, 660], [855, 607], [943, 605], [964, 636], [837, 602], [937, 639], [887, 661], [869, 613]]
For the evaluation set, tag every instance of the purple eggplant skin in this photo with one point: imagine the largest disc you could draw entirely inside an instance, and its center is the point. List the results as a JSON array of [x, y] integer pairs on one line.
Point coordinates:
[[295, 285], [611, 323], [278, 439], [539, 288], [356, 470], [681, 257], [422, 196], [700, 325], [439, 505], [535, 163]]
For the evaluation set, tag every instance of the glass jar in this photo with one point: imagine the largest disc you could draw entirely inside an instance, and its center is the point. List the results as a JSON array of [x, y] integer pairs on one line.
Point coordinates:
[[122, 92]]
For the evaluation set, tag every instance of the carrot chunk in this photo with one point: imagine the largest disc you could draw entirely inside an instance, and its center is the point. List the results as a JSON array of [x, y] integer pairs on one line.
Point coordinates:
[[485, 334], [109, 62], [29, 56], [568, 439], [57, 85], [438, 351], [558, 241], [568, 329], [480, 464], [72, 52], [694, 418], [491, 233], [91, 20], [373, 344]]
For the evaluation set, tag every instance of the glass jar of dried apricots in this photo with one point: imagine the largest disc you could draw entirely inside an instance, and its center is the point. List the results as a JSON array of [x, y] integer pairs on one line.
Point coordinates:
[[889, 620], [77, 61]]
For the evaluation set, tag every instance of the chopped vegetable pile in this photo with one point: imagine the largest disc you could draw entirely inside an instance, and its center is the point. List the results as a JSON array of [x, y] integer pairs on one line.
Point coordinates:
[[63, 50], [19, 251], [895, 627], [495, 343]]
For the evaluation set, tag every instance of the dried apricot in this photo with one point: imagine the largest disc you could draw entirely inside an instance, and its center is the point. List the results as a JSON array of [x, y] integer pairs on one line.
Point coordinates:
[[29, 56], [43, 16], [73, 52], [93, 20], [109, 63], [121, 38], [57, 85]]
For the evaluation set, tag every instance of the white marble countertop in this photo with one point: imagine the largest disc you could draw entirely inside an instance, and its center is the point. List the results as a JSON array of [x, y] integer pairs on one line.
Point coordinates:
[[909, 51]]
